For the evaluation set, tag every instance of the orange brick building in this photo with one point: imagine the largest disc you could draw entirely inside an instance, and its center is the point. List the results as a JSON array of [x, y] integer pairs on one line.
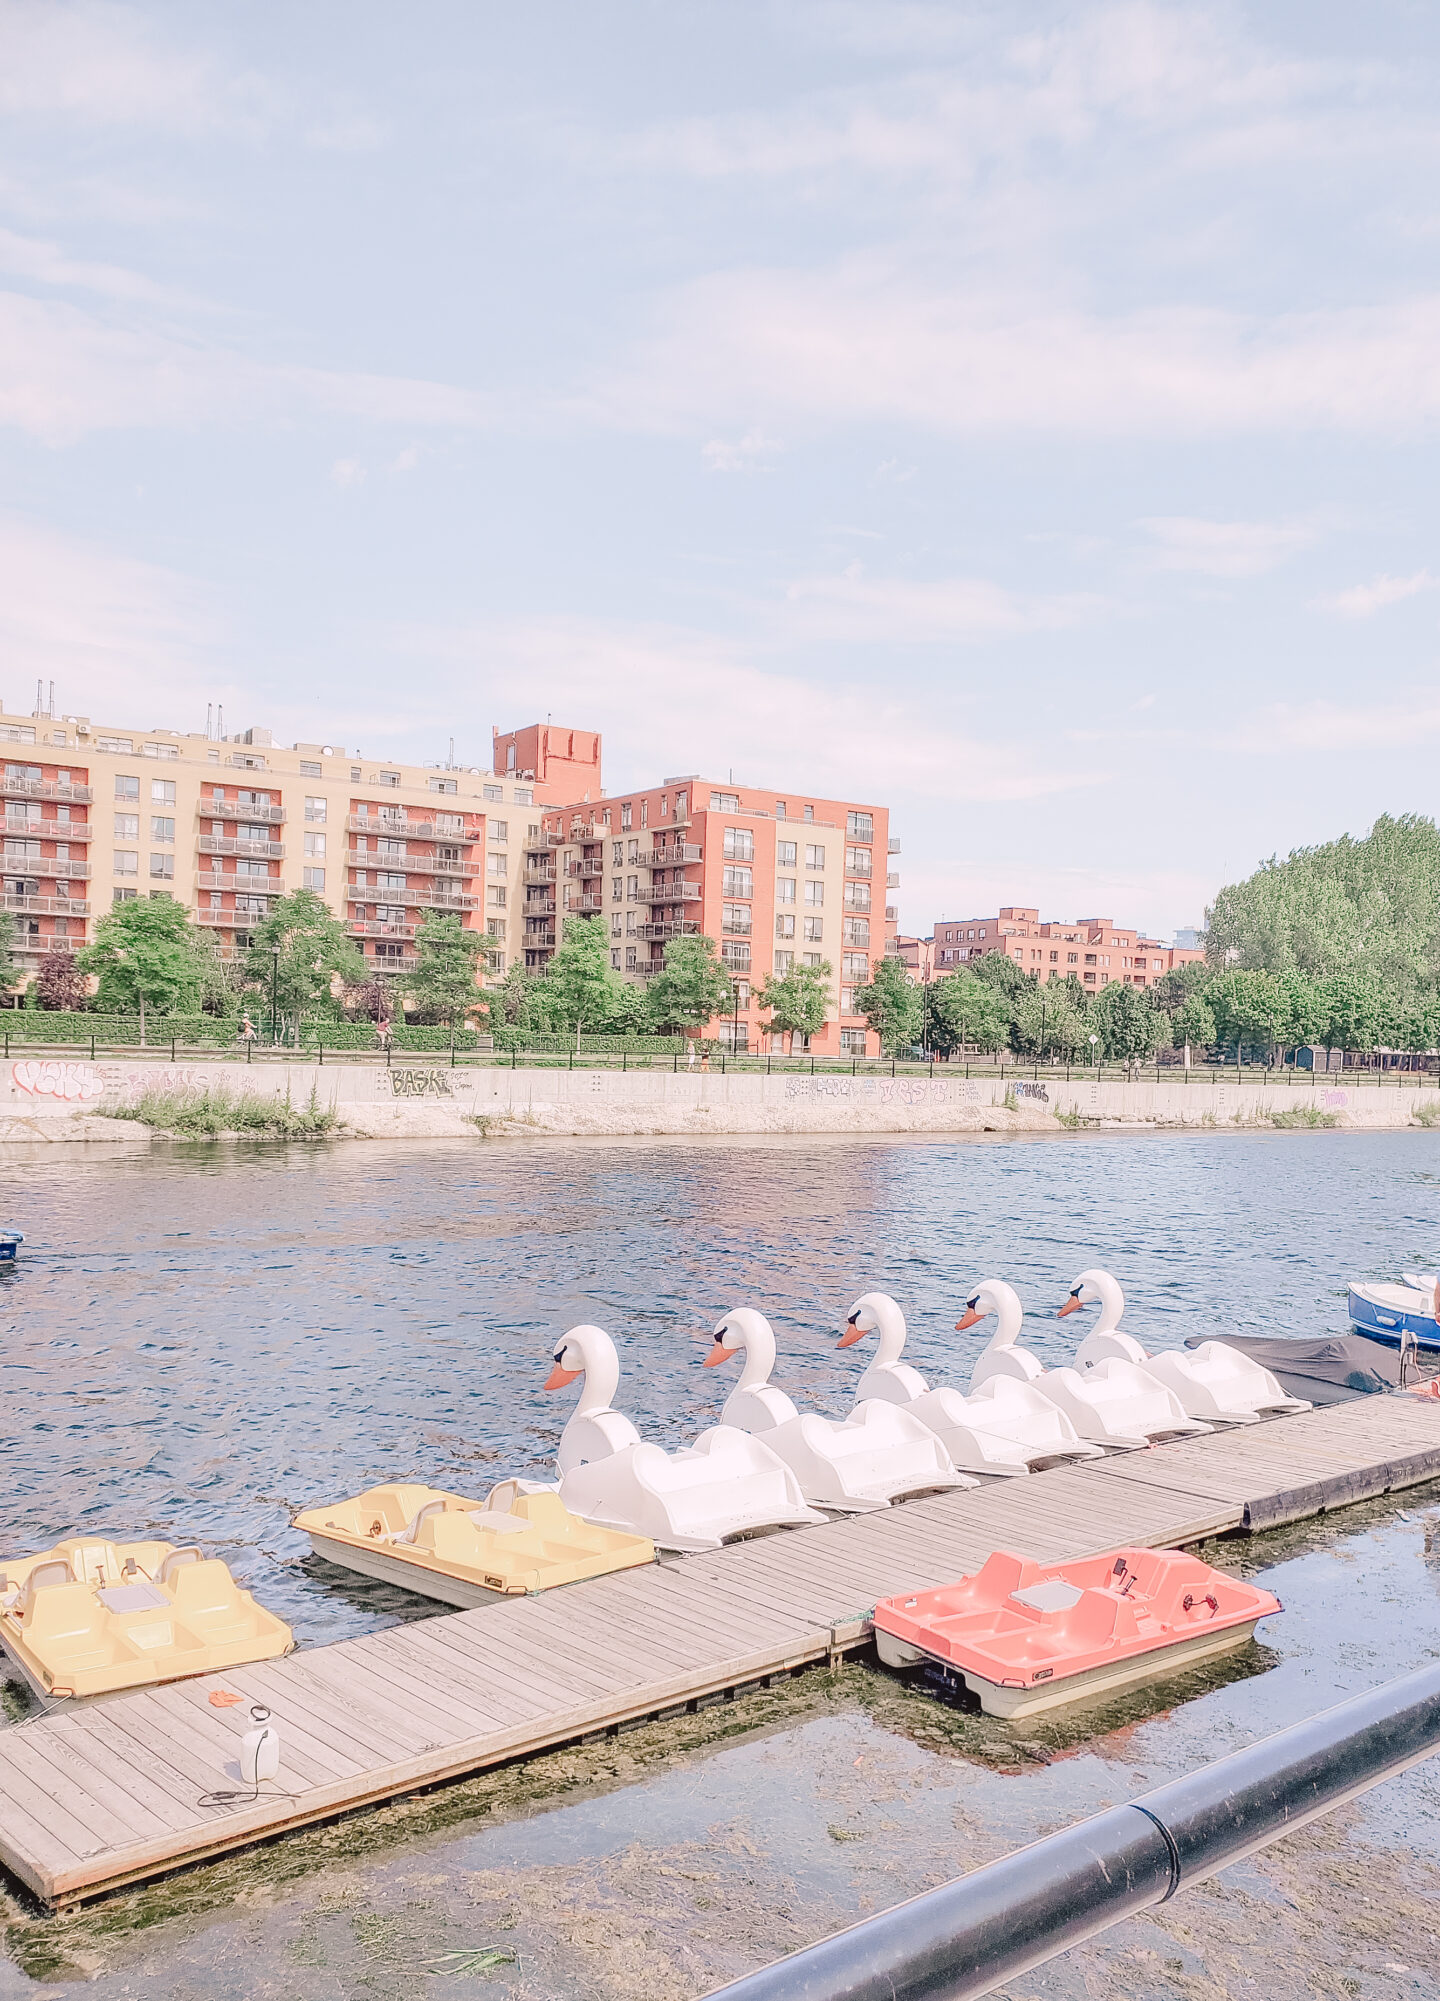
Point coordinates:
[[1095, 949]]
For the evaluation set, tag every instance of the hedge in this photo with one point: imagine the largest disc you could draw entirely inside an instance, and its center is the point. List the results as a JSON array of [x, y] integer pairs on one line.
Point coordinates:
[[523, 1039], [112, 1030]]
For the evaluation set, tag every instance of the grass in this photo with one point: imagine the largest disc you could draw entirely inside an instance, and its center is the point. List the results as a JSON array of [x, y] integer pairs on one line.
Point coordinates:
[[1308, 1117], [209, 1110], [1010, 1102], [1427, 1114]]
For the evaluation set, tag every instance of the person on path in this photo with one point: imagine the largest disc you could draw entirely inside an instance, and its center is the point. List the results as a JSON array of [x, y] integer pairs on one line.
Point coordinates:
[[690, 1056], [247, 1029]]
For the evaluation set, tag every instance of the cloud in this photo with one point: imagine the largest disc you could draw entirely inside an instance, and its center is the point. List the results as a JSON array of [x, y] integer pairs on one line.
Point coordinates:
[[106, 64], [894, 610], [42, 263], [117, 636], [738, 454], [1224, 548], [347, 472], [1362, 600]]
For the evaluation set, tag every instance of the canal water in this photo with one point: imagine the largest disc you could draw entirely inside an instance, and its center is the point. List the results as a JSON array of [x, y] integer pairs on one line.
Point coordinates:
[[201, 1339]]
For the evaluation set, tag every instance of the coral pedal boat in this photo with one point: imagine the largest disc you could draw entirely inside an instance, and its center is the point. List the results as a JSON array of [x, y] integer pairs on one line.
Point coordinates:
[[468, 1552], [1026, 1636], [91, 1616]]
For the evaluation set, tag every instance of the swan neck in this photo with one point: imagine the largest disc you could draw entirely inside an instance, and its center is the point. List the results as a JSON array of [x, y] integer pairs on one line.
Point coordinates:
[[759, 1346], [1009, 1319], [891, 1344], [602, 1380]]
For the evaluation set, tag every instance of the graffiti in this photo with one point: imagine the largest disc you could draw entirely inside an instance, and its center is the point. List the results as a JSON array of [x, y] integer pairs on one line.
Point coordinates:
[[910, 1093], [1040, 1091], [1335, 1098], [820, 1087], [75, 1083], [419, 1083]]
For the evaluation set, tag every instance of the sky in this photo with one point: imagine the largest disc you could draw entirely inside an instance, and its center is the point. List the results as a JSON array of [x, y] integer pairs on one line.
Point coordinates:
[[1023, 416]]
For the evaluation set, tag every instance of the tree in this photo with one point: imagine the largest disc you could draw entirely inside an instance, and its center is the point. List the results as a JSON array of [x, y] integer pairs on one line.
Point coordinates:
[[579, 984], [1174, 989], [797, 1001], [693, 988], [510, 1001], [62, 984], [1000, 971], [629, 1011], [442, 980], [1193, 1024], [9, 965], [964, 1009], [148, 957], [1249, 1007], [1046, 1023], [1356, 1011], [1128, 1027], [297, 954], [892, 1004]]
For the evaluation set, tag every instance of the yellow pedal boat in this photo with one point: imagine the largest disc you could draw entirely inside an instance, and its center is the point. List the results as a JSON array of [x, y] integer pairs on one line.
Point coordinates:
[[91, 1616], [468, 1552]]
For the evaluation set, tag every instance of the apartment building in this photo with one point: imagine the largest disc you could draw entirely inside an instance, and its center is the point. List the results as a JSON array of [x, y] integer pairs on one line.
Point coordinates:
[[1095, 949], [771, 878], [95, 814]]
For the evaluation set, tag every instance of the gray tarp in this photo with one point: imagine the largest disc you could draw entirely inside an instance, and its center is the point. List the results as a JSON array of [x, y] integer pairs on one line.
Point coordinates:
[[1326, 1371]]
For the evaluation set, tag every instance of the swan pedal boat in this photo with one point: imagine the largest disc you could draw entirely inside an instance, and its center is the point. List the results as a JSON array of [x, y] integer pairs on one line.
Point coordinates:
[[1006, 1428], [1116, 1404], [1025, 1636], [1391, 1313], [878, 1455], [724, 1487], [92, 1616], [1214, 1382], [521, 1539]]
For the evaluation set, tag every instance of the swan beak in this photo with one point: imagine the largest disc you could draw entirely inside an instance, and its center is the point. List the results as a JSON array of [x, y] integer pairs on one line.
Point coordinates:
[[851, 1335], [1072, 1305], [718, 1354], [558, 1377], [972, 1319]]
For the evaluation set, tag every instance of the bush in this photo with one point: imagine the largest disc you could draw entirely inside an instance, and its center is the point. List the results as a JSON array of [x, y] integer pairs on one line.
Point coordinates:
[[205, 1112], [119, 1030], [524, 1040], [1307, 1117]]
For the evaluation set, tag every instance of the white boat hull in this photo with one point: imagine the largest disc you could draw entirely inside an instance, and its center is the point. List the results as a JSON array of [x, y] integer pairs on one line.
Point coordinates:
[[385, 1568]]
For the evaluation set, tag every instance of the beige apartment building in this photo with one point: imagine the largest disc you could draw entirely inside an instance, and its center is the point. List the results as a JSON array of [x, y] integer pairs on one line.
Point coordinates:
[[96, 813]]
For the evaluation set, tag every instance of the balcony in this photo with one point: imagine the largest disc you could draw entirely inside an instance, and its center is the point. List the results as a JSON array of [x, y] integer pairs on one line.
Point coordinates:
[[539, 906], [402, 830], [671, 892], [586, 905], [736, 928], [892, 847], [232, 920], [248, 885], [892, 882], [434, 899], [44, 788], [406, 864], [580, 836], [676, 927], [538, 873], [371, 927], [590, 865], [46, 865], [45, 906], [647, 969], [680, 855], [229, 809], [46, 830], [215, 844]]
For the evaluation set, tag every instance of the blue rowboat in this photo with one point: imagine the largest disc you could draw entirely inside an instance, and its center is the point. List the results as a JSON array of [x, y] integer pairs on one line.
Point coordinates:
[[10, 1242], [1384, 1312]]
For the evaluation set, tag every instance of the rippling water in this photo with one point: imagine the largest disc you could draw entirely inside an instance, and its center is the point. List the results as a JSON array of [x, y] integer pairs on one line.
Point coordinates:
[[201, 1339]]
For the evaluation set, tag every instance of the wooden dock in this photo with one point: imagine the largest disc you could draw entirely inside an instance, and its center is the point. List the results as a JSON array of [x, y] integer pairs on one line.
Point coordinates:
[[108, 1794]]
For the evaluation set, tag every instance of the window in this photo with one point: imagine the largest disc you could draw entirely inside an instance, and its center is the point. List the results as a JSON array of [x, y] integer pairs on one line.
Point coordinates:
[[632, 852], [126, 748], [810, 959], [1091, 978], [1054, 957], [814, 929], [644, 812], [310, 770], [814, 892], [162, 791], [784, 925], [739, 844], [856, 930], [737, 882], [354, 774], [315, 845], [127, 826], [395, 849], [664, 805], [495, 865], [163, 867], [495, 896], [857, 861], [389, 778], [615, 958], [814, 858], [632, 887], [860, 826], [1089, 958], [857, 895], [724, 802], [500, 832], [394, 883], [736, 918], [246, 868], [161, 749], [617, 854], [617, 889], [852, 1042], [783, 963], [124, 895], [847, 1000], [161, 828], [629, 958], [313, 878], [780, 809], [444, 785], [785, 852], [625, 818], [735, 953], [249, 800], [126, 788], [785, 888]]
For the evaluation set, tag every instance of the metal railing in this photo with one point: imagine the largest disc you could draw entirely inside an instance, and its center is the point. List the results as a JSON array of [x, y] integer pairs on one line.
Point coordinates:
[[232, 810], [980, 1931], [44, 788]]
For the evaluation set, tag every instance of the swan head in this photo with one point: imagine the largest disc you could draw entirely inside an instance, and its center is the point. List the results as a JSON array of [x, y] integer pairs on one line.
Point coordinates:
[[1093, 1288], [871, 1310], [577, 1353], [996, 1297], [741, 1327]]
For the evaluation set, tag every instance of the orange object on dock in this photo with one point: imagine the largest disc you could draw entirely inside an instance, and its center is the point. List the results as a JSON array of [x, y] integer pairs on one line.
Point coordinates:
[[1027, 1636]]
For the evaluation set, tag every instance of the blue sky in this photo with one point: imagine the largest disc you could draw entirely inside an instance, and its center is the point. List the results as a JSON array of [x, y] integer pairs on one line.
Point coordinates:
[[1022, 415]]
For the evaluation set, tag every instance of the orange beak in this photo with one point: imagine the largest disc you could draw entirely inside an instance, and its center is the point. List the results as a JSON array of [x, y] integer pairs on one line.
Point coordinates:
[[558, 1377], [851, 1335], [718, 1354], [972, 1319], [1070, 1306]]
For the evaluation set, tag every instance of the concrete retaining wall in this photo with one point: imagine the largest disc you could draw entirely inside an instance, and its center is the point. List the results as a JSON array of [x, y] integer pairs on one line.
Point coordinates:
[[428, 1100]]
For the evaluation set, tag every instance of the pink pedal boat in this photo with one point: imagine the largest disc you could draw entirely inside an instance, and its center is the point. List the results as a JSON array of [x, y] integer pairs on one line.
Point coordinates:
[[1028, 1636]]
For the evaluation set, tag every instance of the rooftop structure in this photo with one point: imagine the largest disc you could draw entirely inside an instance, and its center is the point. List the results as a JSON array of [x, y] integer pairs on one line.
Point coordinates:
[[1095, 949]]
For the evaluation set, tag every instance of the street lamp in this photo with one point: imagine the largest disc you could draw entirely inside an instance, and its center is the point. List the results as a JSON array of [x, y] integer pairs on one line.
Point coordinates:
[[274, 994], [1094, 1053], [735, 1031]]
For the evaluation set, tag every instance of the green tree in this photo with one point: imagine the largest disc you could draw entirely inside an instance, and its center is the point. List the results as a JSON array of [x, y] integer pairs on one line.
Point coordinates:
[[964, 1009], [1000, 971], [1045, 1023], [149, 958], [579, 986], [1193, 1023], [442, 981], [1249, 1007], [9, 964], [1173, 990], [298, 953], [1128, 1027], [1305, 1009], [1357, 1011], [797, 1001], [630, 1011], [1419, 1025], [892, 1004], [693, 988], [508, 1001]]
